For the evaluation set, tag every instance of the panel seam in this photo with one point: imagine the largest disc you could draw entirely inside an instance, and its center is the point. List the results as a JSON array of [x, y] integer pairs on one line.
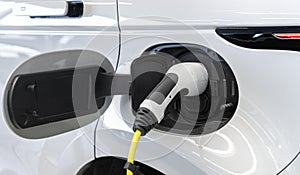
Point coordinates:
[[289, 163]]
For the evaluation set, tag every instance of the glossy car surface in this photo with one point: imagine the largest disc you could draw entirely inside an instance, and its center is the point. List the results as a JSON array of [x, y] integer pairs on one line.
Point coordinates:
[[262, 137]]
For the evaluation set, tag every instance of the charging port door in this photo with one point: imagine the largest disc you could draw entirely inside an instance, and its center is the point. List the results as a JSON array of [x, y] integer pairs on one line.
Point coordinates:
[[47, 100]]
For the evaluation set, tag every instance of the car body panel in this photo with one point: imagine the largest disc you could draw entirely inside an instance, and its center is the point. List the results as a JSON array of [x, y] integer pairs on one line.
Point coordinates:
[[262, 137], [22, 38], [213, 13]]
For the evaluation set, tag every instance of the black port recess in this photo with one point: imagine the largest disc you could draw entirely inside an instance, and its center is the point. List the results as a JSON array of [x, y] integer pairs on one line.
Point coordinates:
[[113, 166], [187, 115], [75, 8]]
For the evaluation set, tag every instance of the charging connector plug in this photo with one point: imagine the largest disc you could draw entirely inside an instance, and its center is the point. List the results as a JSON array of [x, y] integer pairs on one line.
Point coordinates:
[[189, 78]]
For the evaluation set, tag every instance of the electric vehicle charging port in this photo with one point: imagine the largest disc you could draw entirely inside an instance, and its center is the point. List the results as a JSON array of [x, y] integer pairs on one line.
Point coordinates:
[[194, 115]]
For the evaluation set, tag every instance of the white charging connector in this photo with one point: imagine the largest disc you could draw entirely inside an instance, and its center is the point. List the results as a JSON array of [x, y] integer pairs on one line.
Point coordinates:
[[191, 79]]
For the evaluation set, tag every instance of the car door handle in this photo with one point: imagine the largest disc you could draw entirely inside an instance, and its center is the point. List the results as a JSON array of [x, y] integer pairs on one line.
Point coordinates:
[[48, 9]]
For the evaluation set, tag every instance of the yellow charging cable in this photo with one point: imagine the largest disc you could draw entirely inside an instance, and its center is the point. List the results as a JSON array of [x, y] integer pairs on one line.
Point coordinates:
[[132, 149]]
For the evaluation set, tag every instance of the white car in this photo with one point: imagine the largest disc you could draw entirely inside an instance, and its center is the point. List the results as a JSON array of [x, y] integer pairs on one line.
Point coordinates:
[[57, 55]]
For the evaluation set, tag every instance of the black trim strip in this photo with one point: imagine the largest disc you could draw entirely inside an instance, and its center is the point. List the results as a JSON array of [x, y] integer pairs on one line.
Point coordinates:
[[260, 37]]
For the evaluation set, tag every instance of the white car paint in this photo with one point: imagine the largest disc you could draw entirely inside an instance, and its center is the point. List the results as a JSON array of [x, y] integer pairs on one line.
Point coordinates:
[[22, 38], [262, 138]]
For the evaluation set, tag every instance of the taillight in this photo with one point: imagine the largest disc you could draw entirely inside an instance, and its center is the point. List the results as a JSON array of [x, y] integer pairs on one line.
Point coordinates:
[[287, 35]]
